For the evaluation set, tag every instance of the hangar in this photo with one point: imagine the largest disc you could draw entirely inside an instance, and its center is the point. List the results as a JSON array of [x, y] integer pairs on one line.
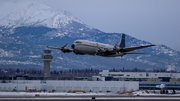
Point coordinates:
[[65, 85]]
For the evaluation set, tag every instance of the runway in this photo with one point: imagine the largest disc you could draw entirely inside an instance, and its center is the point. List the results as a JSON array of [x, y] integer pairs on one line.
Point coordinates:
[[89, 100], [93, 98], [41, 96]]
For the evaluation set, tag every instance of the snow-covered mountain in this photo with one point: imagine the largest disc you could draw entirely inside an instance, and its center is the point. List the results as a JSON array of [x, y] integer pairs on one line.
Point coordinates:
[[33, 13], [26, 24]]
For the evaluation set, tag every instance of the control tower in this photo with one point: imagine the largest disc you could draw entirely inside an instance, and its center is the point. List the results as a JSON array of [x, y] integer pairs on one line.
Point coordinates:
[[47, 58]]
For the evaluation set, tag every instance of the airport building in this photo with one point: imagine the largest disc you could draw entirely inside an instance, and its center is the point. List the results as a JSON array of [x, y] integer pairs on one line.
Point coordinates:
[[116, 82], [149, 85], [64, 86], [147, 80], [139, 76], [150, 75]]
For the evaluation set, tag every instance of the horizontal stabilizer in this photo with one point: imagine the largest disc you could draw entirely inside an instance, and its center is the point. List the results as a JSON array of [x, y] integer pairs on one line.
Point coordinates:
[[135, 48]]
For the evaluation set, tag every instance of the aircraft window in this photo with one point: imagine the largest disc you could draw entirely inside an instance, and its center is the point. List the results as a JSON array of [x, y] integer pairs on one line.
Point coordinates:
[[77, 42]]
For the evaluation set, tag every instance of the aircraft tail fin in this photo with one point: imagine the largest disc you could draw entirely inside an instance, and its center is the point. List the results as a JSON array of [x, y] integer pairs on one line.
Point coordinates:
[[122, 41]]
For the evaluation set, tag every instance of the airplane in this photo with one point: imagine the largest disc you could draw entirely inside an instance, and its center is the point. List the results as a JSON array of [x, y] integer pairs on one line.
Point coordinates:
[[85, 47]]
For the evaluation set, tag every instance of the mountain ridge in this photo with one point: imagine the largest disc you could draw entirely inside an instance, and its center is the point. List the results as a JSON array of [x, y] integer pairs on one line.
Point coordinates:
[[33, 13], [20, 37]]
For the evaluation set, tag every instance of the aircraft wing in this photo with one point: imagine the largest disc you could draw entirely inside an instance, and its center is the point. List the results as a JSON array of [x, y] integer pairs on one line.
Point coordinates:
[[135, 48], [121, 54], [59, 48], [133, 53], [64, 49]]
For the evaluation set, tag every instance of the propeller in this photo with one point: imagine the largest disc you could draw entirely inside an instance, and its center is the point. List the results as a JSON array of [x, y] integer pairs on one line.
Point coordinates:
[[116, 45], [62, 48], [65, 49], [117, 48], [100, 50]]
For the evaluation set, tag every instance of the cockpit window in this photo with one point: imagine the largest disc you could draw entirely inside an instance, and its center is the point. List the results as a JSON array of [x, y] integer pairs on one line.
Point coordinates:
[[77, 42]]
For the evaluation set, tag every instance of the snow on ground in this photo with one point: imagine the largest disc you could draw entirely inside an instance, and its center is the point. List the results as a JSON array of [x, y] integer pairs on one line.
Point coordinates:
[[140, 94], [144, 92], [135, 93], [97, 98], [151, 93], [50, 94]]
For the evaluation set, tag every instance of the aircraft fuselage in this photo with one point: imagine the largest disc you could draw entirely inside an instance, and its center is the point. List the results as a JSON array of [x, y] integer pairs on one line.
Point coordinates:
[[91, 48], [82, 47]]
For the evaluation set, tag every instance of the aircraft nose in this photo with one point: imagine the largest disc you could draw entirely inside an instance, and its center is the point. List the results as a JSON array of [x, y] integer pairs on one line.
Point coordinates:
[[72, 46]]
